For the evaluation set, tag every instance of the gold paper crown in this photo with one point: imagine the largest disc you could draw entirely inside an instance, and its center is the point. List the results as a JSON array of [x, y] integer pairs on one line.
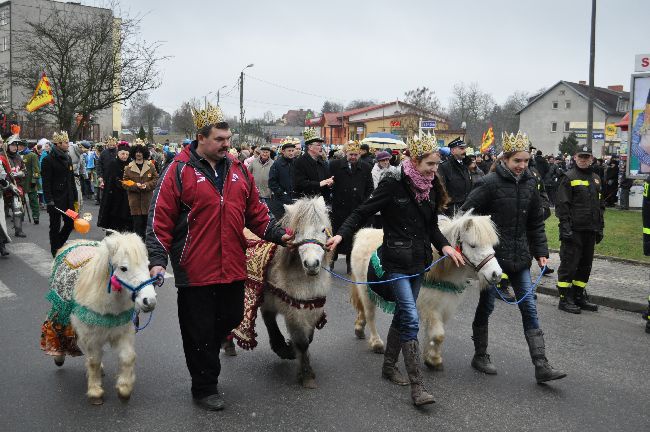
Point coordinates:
[[139, 141], [110, 140], [311, 134], [287, 140], [211, 115], [421, 145], [59, 137], [353, 147], [512, 143]]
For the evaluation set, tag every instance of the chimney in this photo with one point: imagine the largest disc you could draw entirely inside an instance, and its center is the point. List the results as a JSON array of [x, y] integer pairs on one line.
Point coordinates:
[[617, 87], [582, 82]]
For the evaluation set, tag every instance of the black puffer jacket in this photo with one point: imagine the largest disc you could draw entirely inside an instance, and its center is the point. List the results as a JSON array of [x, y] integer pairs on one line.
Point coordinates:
[[516, 209], [409, 228]]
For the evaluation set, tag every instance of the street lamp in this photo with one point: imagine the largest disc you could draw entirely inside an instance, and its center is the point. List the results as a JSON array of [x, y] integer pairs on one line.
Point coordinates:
[[219, 90], [241, 102]]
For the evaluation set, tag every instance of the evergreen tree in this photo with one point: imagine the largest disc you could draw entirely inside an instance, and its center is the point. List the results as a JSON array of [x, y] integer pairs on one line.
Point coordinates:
[[569, 144], [141, 133]]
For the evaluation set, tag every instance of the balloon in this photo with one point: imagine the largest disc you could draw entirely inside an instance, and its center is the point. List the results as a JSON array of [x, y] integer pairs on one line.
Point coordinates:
[[444, 151], [82, 226]]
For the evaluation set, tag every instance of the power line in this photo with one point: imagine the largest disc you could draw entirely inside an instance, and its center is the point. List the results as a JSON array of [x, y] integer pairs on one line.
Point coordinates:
[[292, 89]]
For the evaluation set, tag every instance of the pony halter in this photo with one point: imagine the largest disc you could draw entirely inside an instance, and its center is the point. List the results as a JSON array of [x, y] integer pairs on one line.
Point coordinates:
[[476, 267], [116, 284]]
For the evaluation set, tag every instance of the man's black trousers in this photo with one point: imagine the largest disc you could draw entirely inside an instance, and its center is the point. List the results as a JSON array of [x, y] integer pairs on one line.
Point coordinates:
[[59, 234], [207, 314], [576, 257]]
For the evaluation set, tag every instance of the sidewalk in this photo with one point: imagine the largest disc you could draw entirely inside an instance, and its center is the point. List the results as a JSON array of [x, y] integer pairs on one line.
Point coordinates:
[[614, 284]]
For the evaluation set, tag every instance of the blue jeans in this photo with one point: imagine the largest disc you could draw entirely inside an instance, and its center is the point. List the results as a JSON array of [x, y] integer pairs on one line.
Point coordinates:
[[521, 283], [406, 318]]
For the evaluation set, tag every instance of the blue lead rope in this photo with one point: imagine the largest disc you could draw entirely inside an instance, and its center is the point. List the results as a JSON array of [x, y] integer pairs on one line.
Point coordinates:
[[136, 321], [531, 290], [389, 280]]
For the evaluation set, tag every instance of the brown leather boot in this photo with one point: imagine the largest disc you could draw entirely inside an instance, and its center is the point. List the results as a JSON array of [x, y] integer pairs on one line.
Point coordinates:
[[389, 370], [419, 394]]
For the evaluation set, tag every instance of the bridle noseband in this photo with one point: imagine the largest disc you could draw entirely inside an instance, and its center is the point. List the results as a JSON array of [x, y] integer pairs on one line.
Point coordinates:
[[311, 241], [116, 284], [480, 265]]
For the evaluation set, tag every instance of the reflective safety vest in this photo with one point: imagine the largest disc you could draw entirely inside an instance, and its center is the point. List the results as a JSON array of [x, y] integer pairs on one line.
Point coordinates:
[[580, 201], [646, 217]]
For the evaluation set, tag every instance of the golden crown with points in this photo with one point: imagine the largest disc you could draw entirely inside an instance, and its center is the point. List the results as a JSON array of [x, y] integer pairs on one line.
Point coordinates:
[[310, 135], [110, 140], [353, 147], [139, 141], [60, 137], [287, 140], [420, 145], [211, 115], [515, 143]]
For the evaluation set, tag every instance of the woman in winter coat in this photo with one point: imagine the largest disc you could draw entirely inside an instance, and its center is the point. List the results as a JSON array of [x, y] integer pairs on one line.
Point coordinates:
[[379, 170], [139, 180], [114, 212], [409, 202], [509, 195]]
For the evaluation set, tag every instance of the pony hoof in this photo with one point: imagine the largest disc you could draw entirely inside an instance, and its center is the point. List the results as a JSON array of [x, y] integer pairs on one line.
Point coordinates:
[[434, 367], [230, 351], [59, 360], [309, 383], [359, 333], [124, 397], [378, 348], [96, 400]]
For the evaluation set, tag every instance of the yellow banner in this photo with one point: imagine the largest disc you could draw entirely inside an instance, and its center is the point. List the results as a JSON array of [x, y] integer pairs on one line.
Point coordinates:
[[610, 130], [42, 95], [488, 140]]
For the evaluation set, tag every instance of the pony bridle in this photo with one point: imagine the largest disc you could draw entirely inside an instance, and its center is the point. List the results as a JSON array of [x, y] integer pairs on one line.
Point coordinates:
[[116, 284], [477, 267], [314, 241]]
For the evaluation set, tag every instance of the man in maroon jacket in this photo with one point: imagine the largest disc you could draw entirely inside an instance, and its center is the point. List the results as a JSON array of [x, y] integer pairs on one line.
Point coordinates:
[[198, 212]]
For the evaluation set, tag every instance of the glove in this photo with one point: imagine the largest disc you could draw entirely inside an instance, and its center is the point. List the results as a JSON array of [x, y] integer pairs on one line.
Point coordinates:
[[50, 206], [599, 237], [565, 233]]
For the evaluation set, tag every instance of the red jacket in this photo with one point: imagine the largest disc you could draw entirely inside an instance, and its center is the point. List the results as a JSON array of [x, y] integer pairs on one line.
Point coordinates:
[[200, 229]]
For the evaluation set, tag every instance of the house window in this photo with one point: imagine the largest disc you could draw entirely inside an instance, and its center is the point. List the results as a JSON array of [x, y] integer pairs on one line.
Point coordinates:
[[567, 104], [555, 104], [4, 17], [4, 95], [554, 127], [566, 126], [5, 43], [562, 92]]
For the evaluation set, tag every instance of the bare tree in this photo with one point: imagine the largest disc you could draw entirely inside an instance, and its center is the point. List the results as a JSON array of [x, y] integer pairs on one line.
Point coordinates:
[[330, 107], [92, 60], [470, 105], [423, 98], [182, 120], [359, 103]]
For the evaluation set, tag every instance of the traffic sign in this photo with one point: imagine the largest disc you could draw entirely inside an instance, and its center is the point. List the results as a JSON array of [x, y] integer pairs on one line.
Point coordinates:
[[427, 124]]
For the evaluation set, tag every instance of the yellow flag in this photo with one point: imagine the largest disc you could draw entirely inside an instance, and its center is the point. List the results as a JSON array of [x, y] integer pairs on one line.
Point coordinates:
[[488, 140], [42, 95]]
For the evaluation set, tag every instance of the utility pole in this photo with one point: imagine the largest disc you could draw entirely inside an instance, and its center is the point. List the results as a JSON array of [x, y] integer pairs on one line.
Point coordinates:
[[218, 91], [592, 55], [241, 104]]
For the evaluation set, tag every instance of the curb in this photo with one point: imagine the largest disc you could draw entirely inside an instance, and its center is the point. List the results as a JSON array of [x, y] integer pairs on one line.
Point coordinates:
[[613, 259], [626, 305]]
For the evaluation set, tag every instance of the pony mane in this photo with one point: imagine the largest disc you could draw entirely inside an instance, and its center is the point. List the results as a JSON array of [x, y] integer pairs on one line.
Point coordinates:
[[307, 211], [93, 277], [482, 230]]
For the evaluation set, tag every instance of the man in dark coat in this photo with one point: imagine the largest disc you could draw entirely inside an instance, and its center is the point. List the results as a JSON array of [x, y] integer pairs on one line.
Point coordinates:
[[281, 179], [106, 157], [541, 164], [365, 155], [311, 174], [59, 190], [352, 186], [456, 176]]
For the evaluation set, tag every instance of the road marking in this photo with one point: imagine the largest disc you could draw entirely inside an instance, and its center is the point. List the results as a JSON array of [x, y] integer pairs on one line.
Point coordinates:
[[5, 292], [34, 256]]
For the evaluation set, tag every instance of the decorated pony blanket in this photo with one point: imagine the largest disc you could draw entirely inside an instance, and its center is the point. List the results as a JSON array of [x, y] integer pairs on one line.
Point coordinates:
[[258, 256], [381, 293]]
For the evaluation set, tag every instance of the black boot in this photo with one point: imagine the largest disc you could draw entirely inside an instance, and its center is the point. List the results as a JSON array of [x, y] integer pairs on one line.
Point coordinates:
[[3, 249], [582, 299], [543, 370], [481, 360], [213, 402], [419, 394], [389, 370], [566, 303]]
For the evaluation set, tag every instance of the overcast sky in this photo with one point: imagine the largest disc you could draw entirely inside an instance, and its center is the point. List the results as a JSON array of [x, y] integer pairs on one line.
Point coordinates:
[[345, 50]]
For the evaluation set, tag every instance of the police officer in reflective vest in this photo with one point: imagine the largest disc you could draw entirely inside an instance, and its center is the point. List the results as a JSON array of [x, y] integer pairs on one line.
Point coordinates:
[[646, 235], [580, 208]]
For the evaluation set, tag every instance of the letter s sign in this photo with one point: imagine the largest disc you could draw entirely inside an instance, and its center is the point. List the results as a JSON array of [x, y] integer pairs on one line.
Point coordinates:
[[642, 63], [645, 62]]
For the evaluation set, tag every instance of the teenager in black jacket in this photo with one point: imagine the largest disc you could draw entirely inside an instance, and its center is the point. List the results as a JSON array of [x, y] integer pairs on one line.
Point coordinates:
[[409, 204], [510, 196]]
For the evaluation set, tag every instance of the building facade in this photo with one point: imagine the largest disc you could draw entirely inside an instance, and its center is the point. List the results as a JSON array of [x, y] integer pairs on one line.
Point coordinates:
[[14, 19], [562, 109]]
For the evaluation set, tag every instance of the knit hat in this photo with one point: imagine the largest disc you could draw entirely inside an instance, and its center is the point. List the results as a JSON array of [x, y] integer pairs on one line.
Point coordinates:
[[382, 155]]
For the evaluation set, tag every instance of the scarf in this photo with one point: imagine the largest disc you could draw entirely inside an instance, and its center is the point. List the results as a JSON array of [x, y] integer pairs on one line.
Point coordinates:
[[420, 184]]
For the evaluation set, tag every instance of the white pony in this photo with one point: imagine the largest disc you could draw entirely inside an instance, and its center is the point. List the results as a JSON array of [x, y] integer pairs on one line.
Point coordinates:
[[296, 286], [443, 286], [95, 288]]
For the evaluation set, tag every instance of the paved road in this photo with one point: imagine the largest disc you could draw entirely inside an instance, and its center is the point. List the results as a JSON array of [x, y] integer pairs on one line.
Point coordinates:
[[605, 354]]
